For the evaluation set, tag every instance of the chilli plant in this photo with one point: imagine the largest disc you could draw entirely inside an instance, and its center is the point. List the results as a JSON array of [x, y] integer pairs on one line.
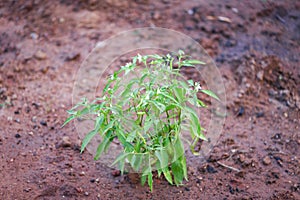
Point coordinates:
[[146, 105]]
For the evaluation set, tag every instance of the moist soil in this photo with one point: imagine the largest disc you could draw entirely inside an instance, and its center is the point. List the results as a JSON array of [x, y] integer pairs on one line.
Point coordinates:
[[255, 45]]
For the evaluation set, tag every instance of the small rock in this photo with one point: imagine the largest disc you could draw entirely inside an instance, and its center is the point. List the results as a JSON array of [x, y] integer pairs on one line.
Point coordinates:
[[44, 70], [230, 43], [277, 136], [241, 158], [86, 194], [40, 55], [190, 11], [267, 160], [211, 169], [14, 97], [17, 135], [61, 20], [34, 36], [224, 19], [260, 114], [92, 180], [43, 123], [73, 56], [33, 119], [156, 15], [279, 160], [116, 173], [241, 111], [82, 173], [260, 75], [235, 10], [66, 142], [27, 189]]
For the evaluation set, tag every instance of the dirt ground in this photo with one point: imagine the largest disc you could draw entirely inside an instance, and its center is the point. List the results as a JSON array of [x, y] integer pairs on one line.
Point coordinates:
[[256, 48]]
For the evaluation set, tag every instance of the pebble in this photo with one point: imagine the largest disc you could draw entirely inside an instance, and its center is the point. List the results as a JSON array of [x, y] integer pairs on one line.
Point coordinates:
[[92, 180], [267, 160], [66, 141], [40, 55], [190, 11], [242, 158], [34, 36], [224, 19], [241, 111], [260, 114], [27, 189], [82, 173], [260, 75], [156, 15], [33, 119], [61, 20], [72, 56], [43, 123], [116, 173], [235, 10], [17, 135], [211, 169]]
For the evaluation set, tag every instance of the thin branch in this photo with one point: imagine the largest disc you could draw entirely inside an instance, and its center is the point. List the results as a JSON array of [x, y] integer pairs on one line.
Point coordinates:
[[229, 167]]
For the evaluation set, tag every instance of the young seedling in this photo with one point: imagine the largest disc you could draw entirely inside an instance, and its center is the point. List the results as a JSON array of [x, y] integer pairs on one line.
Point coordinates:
[[147, 114]]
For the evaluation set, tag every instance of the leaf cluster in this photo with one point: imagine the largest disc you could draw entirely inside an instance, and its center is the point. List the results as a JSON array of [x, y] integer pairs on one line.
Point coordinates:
[[145, 105]]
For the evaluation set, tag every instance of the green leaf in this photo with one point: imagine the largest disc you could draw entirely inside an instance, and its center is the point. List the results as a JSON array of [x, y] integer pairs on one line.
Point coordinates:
[[167, 174], [150, 181], [137, 161], [148, 124], [201, 103], [184, 85], [168, 97], [179, 93], [122, 139], [210, 93], [68, 120], [178, 149], [87, 139], [107, 127], [143, 179], [121, 158], [191, 82], [162, 156], [195, 126], [131, 136], [103, 145], [161, 107], [184, 168], [195, 62], [91, 134], [177, 172], [128, 88]]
